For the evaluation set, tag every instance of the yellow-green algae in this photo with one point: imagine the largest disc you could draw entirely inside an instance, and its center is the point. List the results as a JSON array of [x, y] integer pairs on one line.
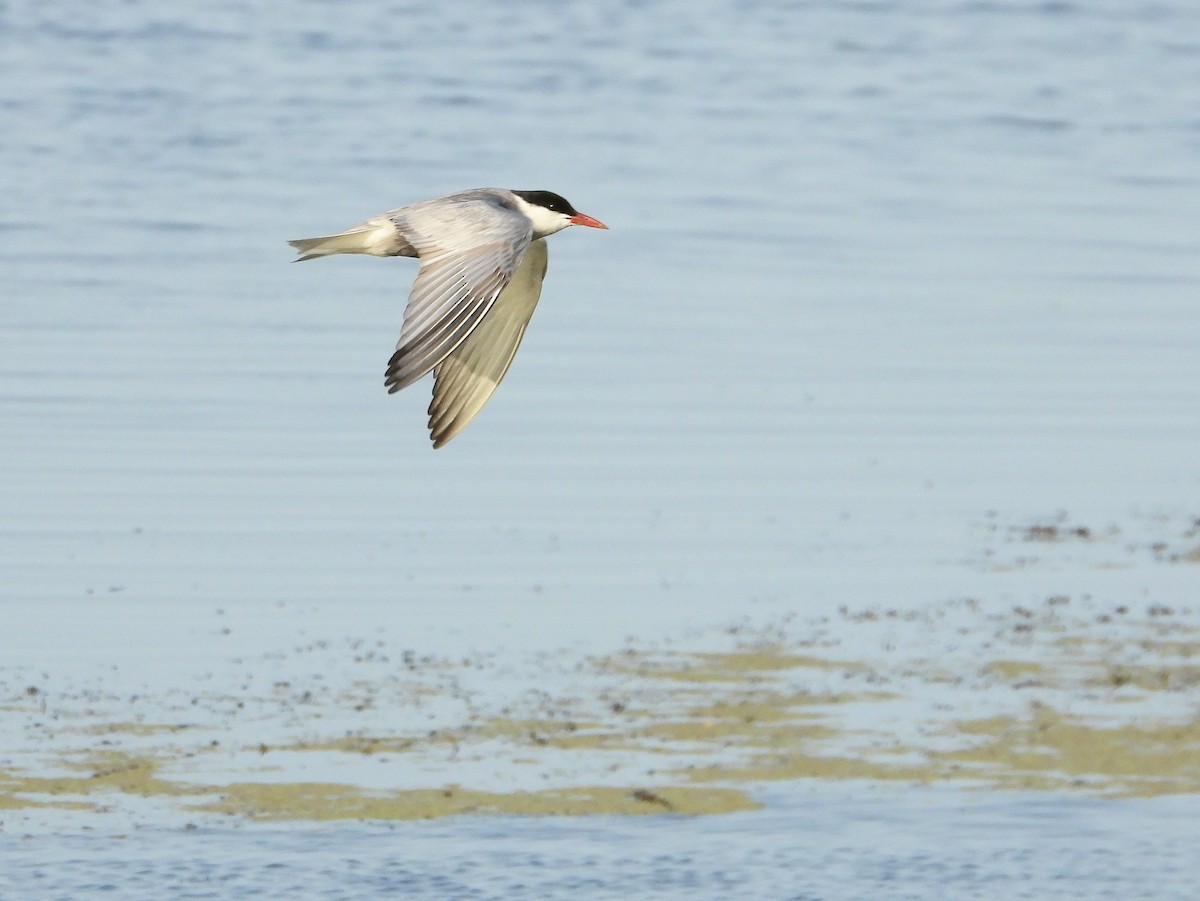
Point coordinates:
[[1018, 670], [1055, 750], [1153, 678], [104, 773], [762, 662], [712, 725], [797, 763], [124, 728], [515, 731], [123, 774], [318, 801], [18, 791]]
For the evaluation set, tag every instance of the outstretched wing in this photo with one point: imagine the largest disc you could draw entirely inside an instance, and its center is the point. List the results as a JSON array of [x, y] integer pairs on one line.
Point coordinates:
[[469, 249], [467, 377]]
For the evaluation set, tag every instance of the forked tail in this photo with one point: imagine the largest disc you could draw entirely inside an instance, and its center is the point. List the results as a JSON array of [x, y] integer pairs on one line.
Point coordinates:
[[378, 237], [311, 248]]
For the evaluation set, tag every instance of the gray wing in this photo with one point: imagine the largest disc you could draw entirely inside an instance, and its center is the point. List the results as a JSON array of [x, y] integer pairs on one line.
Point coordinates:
[[469, 249], [467, 377]]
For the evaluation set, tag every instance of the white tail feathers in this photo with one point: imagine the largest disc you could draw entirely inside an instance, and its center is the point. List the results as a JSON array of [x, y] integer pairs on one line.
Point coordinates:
[[311, 248], [378, 237]]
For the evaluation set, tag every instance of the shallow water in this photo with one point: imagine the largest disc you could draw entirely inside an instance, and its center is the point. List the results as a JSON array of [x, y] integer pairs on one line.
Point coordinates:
[[881, 280], [873, 270], [827, 845]]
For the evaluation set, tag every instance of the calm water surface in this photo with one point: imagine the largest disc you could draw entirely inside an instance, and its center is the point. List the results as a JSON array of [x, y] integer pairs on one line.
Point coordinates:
[[829, 846], [874, 270]]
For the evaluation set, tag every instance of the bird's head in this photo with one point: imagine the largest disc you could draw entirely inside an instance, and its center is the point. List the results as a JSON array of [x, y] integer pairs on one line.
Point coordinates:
[[550, 212]]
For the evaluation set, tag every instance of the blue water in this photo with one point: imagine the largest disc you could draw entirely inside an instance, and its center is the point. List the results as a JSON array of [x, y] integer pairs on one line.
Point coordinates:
[[829, 847], [874, 270], [872, 267]]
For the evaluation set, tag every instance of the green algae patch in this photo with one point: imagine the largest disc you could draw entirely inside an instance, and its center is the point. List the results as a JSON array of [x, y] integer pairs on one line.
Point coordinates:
[[365, 745], [766, 659], [1151, 677], [770, 706], [120, 728], [1053, 750], [316, 801], [17, 800], [727, 732], [1022, 671], [1049, 751], [649, 731], [1172, 648], [515, 731], [105, 774], [113, 771], [763, 711], [753, 664], [796, 763], [20, 792], [565, 734]]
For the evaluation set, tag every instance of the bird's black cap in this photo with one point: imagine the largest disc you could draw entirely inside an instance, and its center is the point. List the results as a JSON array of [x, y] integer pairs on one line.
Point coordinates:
[[548, 199]]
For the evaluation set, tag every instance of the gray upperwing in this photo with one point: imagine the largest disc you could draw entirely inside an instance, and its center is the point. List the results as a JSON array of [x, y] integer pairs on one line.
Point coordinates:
[[469, 251], [466, 379]]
